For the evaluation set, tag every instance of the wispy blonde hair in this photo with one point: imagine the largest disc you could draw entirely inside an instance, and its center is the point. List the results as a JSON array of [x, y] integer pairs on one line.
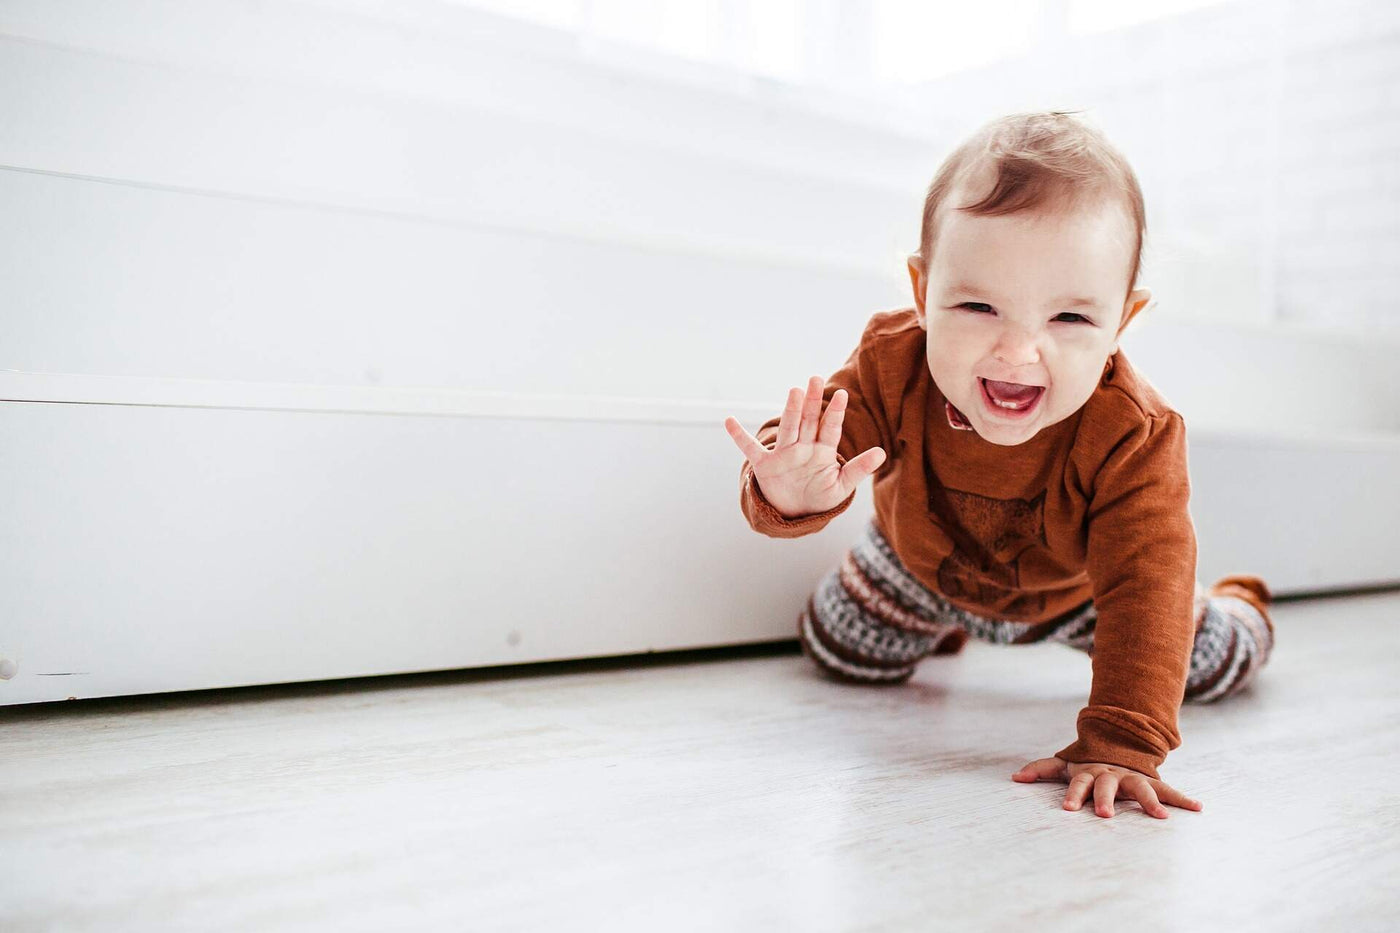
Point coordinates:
[[1043, 161]]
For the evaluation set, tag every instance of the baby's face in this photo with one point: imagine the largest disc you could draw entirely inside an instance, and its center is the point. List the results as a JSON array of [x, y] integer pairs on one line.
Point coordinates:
[[1000, 304]]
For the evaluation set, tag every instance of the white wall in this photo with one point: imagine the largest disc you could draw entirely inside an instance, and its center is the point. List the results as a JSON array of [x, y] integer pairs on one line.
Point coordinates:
[[231, 220], [302, 193], [306, 307]]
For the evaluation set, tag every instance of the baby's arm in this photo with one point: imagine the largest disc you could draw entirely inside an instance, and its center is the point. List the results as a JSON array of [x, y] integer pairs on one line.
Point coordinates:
[[1142, 563]]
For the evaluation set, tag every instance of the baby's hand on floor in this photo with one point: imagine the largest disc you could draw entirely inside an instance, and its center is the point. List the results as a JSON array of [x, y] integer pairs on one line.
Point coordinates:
[[1107, 782]]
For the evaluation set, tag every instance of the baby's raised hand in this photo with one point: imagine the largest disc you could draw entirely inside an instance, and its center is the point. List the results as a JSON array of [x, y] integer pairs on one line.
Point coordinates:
[[800, 475], [1107, 783]]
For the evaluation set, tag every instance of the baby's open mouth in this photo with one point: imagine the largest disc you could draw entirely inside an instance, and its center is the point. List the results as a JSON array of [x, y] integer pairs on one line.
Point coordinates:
[[1011, 396]]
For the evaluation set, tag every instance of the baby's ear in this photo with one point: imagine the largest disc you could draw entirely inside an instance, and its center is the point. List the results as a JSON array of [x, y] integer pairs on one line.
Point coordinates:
[[1138, 299], [919, 281]]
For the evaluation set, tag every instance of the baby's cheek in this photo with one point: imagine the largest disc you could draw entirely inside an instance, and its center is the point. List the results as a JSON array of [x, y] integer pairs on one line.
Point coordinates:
[[944, 358]]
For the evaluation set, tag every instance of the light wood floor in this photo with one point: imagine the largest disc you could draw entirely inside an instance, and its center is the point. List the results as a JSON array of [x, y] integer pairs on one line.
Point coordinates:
[[738, 791]]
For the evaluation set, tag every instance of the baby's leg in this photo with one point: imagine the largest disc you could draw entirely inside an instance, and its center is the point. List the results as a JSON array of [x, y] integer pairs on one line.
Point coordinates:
[[1234, 636], [870, 621]]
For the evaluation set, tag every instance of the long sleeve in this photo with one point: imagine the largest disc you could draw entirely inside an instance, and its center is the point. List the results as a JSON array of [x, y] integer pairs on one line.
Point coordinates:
[[1141, 562], [864, 426]]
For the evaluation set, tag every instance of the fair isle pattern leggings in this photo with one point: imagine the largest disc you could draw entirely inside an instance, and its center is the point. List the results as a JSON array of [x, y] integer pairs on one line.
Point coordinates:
[[869, 620]]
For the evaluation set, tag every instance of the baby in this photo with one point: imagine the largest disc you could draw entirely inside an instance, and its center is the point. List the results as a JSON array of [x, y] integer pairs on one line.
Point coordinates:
[[1029, 484]]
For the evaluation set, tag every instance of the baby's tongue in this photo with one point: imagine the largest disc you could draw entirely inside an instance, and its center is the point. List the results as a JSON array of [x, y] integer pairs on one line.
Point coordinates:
[[1010, 391]]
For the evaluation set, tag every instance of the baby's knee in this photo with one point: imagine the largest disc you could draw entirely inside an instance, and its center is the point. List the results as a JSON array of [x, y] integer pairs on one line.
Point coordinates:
[[847, 659], [1233, 643]]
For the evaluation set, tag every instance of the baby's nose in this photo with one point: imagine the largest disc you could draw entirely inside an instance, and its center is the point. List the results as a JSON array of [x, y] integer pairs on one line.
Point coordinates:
[[1017, 348]]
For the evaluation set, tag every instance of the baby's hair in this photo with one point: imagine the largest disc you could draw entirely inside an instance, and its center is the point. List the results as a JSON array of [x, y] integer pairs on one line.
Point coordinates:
[[1042, 160]]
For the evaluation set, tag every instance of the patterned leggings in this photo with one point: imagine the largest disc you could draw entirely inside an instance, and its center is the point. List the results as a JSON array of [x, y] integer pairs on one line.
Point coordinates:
[[869, 620]]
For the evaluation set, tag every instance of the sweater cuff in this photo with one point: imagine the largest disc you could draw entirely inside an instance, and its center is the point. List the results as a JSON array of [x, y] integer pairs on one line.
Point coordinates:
[[1103, 741], [771, 522]]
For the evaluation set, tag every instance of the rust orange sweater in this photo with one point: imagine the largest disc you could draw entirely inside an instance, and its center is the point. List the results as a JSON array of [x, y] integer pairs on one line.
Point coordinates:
[[1094, 506]]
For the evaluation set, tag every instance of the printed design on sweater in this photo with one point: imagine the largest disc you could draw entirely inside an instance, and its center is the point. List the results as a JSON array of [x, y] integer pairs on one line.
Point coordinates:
[[989, 536]]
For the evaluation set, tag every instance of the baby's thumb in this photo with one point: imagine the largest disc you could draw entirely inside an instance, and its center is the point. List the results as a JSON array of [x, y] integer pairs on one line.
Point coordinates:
[[858, 469]]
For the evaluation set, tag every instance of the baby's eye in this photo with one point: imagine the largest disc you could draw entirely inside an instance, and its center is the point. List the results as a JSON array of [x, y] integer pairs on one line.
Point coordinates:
[[980, 307]]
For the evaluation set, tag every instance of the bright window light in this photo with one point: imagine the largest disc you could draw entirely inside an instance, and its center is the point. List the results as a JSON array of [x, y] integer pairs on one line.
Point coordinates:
[[562, 14], [853, 44], [1090, 16], [762, 37], [770, 42], [921, 41], [688, 28]]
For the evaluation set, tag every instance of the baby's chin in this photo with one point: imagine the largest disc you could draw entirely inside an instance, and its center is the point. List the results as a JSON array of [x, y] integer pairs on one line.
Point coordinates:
[[1007, 435]]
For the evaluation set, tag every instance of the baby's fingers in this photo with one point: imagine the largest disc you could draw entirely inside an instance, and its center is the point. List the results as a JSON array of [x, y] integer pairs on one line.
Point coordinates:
[[831, 422], [1170, 795], [858, 469], [1141, 789], [791, 419], [1042, 769], [811, 410], [1105, 790], [747, 443]]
